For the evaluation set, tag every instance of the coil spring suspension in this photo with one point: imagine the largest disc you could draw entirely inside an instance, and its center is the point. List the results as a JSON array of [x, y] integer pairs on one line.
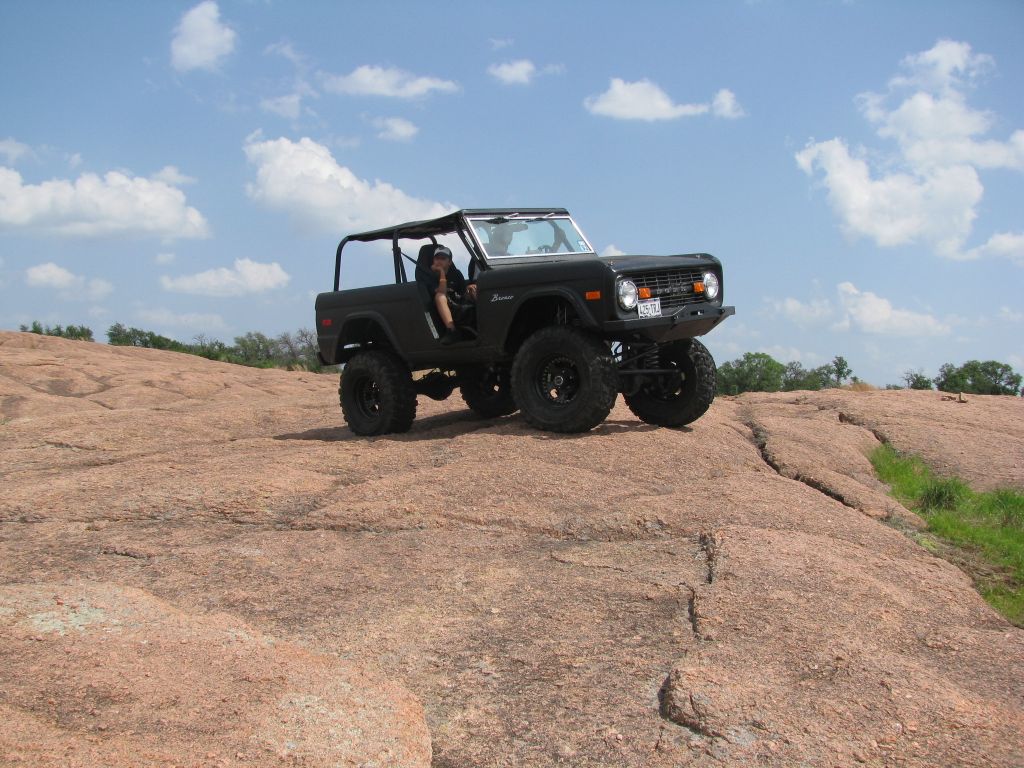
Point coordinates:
[[651, 358]]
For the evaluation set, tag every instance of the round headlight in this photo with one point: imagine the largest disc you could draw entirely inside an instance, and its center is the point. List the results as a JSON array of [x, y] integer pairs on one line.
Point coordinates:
[[711, 285], [626, 291]]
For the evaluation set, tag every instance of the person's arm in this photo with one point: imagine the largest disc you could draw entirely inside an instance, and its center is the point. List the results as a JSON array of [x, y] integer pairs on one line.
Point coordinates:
[[442, 281], [456, 282]]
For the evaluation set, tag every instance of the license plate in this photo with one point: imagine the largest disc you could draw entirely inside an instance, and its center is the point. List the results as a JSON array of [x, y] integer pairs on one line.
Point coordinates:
[[650, 308]]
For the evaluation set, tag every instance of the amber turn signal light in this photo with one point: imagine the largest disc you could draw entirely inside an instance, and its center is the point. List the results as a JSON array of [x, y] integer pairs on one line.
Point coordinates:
[[644, 293], [698, 287], [593, 295]]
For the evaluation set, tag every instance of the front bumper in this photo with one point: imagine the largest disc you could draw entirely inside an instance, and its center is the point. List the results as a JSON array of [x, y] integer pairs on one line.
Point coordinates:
[[690, 321]]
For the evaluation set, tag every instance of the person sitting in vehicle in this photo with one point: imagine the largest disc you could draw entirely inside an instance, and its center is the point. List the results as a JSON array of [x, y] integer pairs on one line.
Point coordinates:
[[500, 238], [449, 294]]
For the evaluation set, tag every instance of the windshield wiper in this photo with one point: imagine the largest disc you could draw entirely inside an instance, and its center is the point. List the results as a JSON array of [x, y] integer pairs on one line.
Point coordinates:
[[518, 217]]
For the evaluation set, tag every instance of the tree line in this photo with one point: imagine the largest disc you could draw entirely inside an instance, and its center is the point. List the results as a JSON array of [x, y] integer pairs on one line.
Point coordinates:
[[753, 372], [760, 372], [296, 350]]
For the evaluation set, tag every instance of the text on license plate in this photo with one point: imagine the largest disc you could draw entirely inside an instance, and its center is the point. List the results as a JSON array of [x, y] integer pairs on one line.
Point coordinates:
[[650, 308]]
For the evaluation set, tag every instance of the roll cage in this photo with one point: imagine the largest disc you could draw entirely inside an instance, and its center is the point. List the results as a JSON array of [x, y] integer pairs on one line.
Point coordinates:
[[430, 229]]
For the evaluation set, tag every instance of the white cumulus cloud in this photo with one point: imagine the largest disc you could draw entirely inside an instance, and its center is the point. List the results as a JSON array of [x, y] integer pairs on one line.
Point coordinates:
[[49, 275], [395, 128], [519, 72], [612, 250], [804, 313], [201, 40], [897, 208], [642, 100], [870, 313], [369, 80], [13, 150], [725, 105], [645, 100], [946, 67], [1006, 245], [68, 284], [303, 179], [114, 204], [288, 106], [171, 176], [246, 277], [928, 189]]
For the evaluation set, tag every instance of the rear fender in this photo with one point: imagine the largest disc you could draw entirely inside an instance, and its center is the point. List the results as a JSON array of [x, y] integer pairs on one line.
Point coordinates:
[[364, 330]]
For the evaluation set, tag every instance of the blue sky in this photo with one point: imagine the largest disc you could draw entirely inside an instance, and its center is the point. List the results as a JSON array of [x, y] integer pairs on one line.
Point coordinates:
[[857, 166]]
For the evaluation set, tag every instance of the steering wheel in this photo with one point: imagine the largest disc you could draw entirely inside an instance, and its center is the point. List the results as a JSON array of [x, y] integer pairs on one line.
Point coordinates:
[[560, 239]]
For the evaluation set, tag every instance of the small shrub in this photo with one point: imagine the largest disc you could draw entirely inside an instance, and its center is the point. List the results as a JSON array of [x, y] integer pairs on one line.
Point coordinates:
[[1005, 506], [943, 493]]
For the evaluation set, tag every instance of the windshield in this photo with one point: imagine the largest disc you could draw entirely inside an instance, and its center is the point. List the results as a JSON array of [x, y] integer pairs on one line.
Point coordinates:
[[510, 236]]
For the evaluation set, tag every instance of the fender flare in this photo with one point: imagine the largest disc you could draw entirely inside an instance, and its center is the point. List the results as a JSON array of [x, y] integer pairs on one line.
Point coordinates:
[[572, 298], [374, 317]]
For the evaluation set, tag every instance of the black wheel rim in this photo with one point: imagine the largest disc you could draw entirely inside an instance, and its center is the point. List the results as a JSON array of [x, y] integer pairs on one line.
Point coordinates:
[[367, 397], [493, 382], [672, 386], [558, 380]]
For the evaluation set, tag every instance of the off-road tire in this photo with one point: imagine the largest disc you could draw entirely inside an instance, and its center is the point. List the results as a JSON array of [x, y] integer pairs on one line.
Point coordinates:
[[487, 390], [376, 394], [690, 398], [564, 380]]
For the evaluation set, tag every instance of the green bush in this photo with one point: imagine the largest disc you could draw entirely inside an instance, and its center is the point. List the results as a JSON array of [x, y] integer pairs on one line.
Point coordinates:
[[943, 494], [74, 332]]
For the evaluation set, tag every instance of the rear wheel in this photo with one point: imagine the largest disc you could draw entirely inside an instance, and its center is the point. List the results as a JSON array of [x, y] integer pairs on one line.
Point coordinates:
[[675, 399], [564, 380], [377, 395], [487, 390]]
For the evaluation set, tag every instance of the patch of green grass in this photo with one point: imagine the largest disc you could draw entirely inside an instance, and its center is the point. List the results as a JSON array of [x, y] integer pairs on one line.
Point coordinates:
[[986, 529]]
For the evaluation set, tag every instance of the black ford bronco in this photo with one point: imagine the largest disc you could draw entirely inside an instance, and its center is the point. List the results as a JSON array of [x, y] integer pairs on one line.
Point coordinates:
[[556, 331]]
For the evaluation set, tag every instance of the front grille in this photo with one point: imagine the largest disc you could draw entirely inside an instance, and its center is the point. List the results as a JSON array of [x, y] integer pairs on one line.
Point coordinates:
[[673, 286]]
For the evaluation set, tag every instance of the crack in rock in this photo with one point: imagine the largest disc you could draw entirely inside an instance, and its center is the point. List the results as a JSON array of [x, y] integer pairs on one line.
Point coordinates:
[[709, 546], [693, 613], [688, 708], [845, 418], [125, 552], [760, 440]]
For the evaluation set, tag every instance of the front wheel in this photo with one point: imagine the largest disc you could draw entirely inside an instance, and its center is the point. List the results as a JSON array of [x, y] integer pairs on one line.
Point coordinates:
[[675, 399], [564, 380], [377, 394]]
